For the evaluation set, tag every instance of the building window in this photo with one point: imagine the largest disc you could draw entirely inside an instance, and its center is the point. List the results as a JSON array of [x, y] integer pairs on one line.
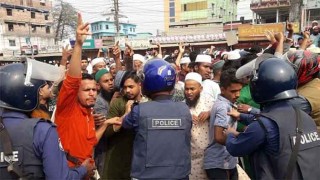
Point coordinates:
[[34, 28], [10, 27], [130, 29], [185, 7], [48, 30], [46, 17], [212, 6], [171, 4], [21, 2], [33, 15], [42, 2], [134, 29], [12, 42], [172, 13], [107, 27], [9, 12], [119, 28], [100, 26], [172, 19]]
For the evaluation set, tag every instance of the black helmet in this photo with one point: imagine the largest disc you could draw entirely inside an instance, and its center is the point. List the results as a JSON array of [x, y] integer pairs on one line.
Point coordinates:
[[14, 94], [273, 80]]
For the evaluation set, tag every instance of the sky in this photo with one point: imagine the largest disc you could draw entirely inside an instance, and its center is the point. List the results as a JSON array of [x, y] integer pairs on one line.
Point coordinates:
[[148, 15]]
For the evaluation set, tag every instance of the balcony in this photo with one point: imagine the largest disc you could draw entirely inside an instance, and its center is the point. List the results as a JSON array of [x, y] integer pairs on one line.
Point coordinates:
[[21, 16], [25, 31], [37, 4]]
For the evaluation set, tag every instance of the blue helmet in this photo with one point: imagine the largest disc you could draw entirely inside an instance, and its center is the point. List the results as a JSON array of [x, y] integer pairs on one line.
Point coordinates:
[[159, 75], [273, 80], [14, 94]]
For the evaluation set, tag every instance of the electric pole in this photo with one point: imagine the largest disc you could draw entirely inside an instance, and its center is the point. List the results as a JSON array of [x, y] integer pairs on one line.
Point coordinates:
[[116, 16]]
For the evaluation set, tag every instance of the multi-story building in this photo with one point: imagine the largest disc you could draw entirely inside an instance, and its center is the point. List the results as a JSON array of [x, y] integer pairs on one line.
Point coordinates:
[[270, 11], [243, 10], [25, 26], [199, 10], [106, 28]]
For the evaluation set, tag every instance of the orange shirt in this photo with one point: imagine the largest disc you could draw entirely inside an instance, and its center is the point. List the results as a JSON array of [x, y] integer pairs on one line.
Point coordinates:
[[75, 123]]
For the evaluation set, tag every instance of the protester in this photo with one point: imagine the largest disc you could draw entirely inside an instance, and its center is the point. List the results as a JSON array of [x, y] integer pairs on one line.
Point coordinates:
[[138, 62], [97, 64], [84, 64]]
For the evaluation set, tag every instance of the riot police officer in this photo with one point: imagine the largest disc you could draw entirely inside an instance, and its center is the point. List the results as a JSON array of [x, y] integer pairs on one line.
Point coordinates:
[[283, 140], [163, 128], [30, 148]]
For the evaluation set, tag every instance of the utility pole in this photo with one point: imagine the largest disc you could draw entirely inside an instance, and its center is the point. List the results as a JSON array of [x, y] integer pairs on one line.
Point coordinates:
[[116, 16]]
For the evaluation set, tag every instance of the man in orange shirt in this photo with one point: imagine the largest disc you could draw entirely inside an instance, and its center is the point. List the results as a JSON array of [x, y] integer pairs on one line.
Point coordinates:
[[74, 107]]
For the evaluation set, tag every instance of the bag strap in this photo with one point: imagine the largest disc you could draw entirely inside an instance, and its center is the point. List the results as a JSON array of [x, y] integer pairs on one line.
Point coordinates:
[[8, 151], [294, 154]]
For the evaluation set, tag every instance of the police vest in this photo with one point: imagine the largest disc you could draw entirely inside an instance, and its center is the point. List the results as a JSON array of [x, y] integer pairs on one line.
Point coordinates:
[[162, 144], [22, 141], [274, 166]]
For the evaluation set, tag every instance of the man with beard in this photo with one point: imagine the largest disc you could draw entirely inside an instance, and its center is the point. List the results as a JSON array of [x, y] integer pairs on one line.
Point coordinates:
[[119, 142], [101, 107], [199, 105], [203, 66], [315, 36]]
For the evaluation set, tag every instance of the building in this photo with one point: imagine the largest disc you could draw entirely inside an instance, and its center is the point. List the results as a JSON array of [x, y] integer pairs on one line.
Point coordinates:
[[270, 11], [193, 11], [25, 27], [105, 27]]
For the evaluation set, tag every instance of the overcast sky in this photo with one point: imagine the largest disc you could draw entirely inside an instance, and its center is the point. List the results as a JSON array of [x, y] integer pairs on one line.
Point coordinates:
[[146, 14]]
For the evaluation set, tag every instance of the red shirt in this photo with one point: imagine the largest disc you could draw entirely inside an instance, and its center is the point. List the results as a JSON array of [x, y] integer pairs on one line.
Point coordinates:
[[75, 123]]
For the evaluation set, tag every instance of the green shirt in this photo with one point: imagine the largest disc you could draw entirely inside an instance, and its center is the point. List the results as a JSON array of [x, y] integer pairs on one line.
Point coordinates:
[[245, 97]]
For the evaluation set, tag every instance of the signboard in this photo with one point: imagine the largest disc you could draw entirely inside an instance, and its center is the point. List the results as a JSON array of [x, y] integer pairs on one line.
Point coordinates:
[[98, 43], [88, 44], [247, 32], [232, 38]]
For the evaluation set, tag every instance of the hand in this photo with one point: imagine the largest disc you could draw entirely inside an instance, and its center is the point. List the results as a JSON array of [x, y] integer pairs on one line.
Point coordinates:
[[243, 108], [306, 34], [82, 30], [181, 48], [270, 36], [89, 166], [158, 45], [279, 36], [195, 119], [212, 47], [289, 26], [116, 50], [129, 49], [65, 55], [129, 106], [115, 121], [234, 113], [99, 119], [203, 116], [231, 130]]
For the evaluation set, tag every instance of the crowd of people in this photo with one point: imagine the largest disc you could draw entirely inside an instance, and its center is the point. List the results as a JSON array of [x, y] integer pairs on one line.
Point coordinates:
[[239, 114]]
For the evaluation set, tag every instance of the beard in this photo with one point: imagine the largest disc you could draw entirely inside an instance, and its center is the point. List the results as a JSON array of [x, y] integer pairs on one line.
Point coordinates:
[[315, 33], [107, 95], [193, 103]]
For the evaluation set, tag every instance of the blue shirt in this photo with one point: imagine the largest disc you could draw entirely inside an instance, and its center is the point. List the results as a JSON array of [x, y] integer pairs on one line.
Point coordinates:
[[46, 147], [216, 155], [254, 137]]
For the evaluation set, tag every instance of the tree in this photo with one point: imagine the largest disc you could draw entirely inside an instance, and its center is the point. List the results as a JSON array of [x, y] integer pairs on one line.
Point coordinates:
[[64, 19]]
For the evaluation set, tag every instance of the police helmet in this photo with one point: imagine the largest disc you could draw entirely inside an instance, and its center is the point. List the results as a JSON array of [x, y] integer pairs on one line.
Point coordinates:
[[14, 94], [159, 76], [273, 80]]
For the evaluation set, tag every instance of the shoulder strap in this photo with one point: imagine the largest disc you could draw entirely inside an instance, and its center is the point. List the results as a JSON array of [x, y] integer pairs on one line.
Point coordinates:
[[294, 154], [8, 151]]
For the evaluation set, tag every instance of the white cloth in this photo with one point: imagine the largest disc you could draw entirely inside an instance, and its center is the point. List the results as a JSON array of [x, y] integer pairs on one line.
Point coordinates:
[[194, 76], [199, 138], [203, 58], [211, 89]]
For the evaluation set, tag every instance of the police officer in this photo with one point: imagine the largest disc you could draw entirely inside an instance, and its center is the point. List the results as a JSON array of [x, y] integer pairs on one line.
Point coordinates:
[[283, 141], [163, 127], [29, 148]]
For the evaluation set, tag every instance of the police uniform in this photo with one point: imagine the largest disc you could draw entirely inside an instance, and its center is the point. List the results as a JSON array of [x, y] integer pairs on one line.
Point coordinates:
[[36, 149], [162, 143]]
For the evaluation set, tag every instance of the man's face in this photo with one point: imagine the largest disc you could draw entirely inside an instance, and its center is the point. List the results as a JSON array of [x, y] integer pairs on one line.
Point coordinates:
[[192, 90], [185, 68], [131, 89], [106, 82], [137, 65], [45, 92], [113, 71], [232, 92], [87, 93], [84, 64], [316, 31], [98, 66], [204, 69]]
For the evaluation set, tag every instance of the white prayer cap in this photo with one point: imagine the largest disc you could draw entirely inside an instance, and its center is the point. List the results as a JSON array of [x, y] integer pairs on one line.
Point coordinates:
[[138, 57], [185, 60], [113, 64], [97, 60], [203, 58], [233, 55], [194, 76]]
